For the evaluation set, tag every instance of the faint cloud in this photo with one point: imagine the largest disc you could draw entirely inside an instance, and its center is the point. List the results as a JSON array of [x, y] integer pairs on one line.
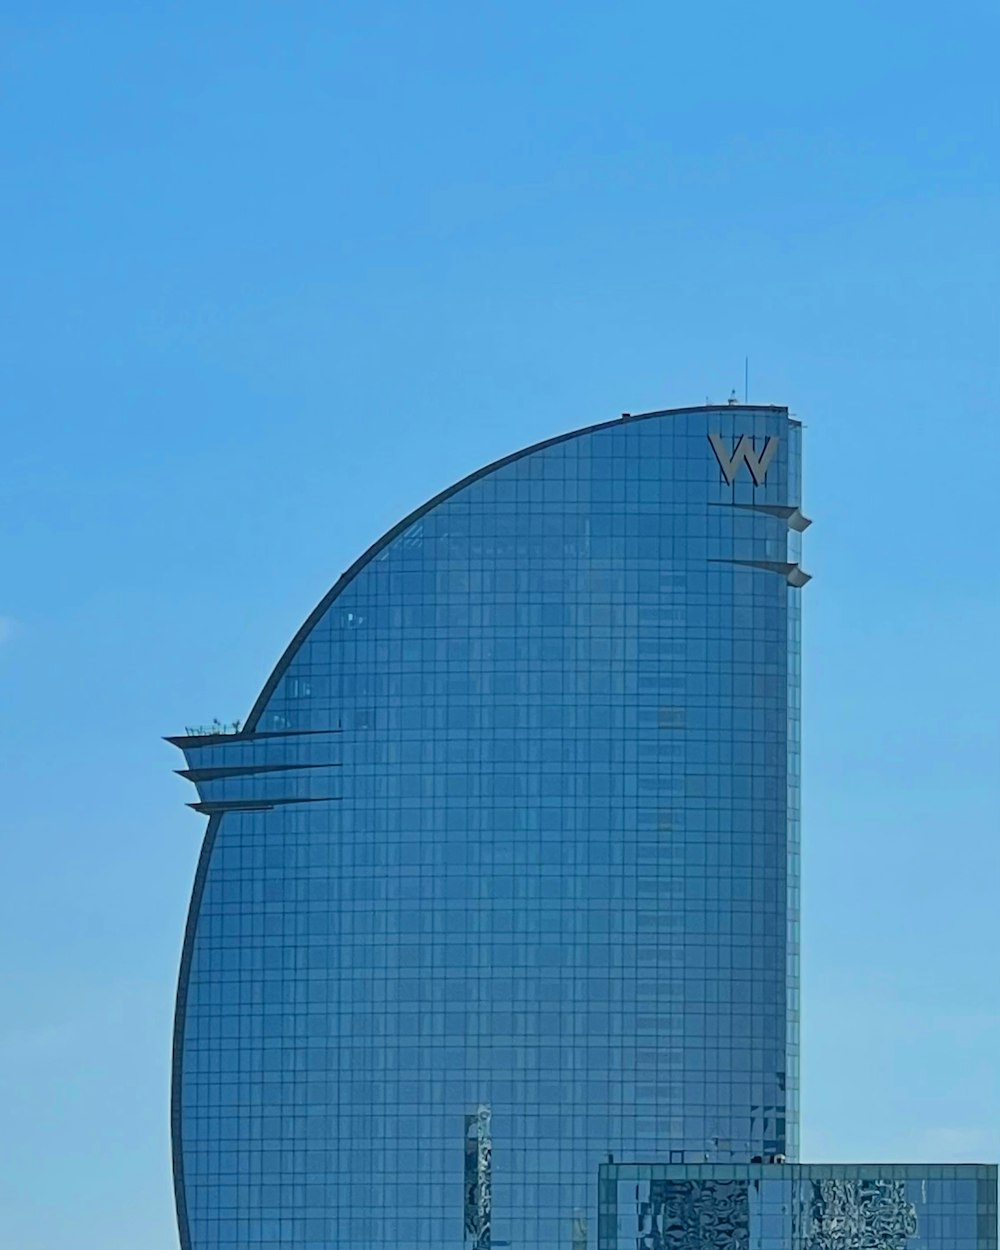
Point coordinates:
[[971, 1143], [959, 1145], [6, 628], [27, 1045]]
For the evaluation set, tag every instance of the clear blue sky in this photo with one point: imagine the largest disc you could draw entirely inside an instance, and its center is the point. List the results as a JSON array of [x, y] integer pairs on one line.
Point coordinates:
[[275, 273]]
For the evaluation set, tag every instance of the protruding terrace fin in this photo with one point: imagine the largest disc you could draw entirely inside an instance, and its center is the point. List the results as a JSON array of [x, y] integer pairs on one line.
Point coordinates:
[[216, 794], [793, 573], [793, 517], [248, 770], [247, 735], [221, 806]]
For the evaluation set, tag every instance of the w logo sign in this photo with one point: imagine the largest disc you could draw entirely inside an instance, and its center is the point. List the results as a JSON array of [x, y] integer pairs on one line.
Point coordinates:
[[746, 452]]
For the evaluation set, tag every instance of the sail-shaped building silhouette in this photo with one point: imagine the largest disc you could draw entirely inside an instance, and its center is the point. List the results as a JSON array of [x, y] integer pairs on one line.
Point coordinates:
[[498, 900]]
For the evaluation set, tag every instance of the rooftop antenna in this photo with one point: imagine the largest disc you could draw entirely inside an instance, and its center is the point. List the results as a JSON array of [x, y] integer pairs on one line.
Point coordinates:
[[746, 379]]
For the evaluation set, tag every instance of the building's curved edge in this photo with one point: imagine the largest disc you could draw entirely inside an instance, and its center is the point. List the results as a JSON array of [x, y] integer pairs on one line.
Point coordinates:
[[180, 1019], [211, 832], [347, 577]]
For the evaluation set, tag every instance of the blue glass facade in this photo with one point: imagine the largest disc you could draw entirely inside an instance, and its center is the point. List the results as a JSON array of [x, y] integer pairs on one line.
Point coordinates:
[[501, 876], [798, 1207]]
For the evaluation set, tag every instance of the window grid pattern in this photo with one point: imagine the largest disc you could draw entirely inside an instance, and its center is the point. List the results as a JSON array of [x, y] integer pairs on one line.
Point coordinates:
[[526, 839]]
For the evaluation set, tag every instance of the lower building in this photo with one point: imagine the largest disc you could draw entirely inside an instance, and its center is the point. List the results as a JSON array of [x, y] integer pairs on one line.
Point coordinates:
[[797, 1206]]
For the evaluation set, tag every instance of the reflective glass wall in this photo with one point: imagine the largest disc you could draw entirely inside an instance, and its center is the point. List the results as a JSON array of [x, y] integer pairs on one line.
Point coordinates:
[[815, 1207], [502, 876]]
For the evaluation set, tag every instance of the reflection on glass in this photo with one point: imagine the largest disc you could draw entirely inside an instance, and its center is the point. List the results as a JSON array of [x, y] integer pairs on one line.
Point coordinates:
[[514, 827]]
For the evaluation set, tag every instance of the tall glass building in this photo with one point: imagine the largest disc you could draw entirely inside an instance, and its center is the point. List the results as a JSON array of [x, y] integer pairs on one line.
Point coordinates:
[[500, 880]]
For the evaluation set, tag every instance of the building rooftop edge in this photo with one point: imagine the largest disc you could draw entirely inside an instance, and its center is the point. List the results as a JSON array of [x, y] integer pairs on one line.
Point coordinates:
[[723, 407], [255, 713]]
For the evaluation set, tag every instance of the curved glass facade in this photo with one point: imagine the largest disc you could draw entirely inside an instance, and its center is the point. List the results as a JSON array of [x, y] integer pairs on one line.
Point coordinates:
[[501, 878]]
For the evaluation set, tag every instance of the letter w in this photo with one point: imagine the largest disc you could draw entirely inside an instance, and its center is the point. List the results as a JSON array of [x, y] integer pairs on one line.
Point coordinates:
[[745, 451]]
